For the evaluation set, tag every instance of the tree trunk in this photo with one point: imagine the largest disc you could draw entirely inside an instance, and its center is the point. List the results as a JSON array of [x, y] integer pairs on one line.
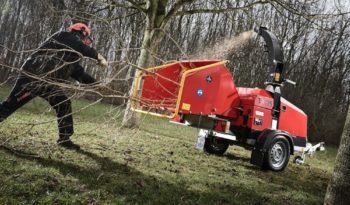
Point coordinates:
[[338, 189], [132, 119], [151, 38]]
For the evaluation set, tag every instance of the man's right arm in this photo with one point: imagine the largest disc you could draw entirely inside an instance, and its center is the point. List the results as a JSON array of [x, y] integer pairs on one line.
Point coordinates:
[[80, 75]]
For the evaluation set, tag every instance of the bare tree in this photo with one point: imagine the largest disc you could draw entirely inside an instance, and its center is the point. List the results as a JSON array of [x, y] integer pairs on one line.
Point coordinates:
[[338, 188]]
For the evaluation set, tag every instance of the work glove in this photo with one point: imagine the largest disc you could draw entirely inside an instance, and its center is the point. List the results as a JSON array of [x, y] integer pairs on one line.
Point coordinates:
[[102, 61]]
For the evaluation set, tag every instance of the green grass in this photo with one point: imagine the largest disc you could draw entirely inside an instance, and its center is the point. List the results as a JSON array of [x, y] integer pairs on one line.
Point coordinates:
[[156, 164]]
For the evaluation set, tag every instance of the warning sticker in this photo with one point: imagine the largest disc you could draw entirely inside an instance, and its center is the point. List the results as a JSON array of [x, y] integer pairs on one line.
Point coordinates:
[[259, 113], [186, 106]]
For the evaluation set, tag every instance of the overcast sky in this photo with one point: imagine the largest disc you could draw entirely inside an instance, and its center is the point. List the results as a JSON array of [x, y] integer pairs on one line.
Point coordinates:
[[343, 5]]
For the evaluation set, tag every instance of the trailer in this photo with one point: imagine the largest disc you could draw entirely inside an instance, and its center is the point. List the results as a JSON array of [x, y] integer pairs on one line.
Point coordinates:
[[202, 94]]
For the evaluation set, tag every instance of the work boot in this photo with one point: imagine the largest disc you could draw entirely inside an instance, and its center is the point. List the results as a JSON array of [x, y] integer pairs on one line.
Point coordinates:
[[68, 144]]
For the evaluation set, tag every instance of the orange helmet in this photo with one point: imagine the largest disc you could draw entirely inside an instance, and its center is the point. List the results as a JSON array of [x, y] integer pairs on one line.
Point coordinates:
[[84, 29]]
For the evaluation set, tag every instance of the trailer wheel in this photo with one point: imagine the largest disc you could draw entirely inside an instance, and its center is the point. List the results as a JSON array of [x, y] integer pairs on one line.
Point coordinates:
[[277, 156], [214, 145]]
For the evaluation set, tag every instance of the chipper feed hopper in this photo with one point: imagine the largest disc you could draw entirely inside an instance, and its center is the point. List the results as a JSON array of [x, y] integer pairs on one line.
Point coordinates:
[[202, 94]]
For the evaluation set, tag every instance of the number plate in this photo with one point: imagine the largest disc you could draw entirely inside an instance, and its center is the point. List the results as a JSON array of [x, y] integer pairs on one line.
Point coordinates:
[[201, 139], [200, 142]]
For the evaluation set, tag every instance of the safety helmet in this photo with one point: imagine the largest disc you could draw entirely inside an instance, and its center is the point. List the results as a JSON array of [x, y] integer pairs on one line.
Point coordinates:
[[84, 30]]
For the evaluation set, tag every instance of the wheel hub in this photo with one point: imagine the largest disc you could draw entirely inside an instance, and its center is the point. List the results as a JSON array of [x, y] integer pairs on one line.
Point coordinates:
[[277, 154]]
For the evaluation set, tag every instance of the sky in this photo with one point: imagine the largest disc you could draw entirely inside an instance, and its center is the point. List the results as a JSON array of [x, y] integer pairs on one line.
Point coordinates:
[[343, 5]]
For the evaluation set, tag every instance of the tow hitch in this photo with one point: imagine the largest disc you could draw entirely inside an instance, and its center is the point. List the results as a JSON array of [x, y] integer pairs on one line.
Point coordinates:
[[309, 150]]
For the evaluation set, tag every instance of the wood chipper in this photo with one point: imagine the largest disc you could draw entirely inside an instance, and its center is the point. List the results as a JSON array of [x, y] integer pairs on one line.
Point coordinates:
[[202, 94]]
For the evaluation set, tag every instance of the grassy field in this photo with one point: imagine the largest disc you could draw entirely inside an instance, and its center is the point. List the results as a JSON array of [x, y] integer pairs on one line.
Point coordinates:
[[156, 164]]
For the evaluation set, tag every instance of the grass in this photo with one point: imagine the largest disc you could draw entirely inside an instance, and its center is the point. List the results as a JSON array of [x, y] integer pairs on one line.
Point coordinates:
[[156, 164]]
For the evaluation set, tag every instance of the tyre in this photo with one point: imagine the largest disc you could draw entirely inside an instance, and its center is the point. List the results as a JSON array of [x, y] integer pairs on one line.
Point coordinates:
[[214, 145], [278, 154]]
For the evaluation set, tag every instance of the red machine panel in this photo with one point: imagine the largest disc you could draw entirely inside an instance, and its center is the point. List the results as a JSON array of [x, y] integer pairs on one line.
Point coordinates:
[[257, 105], [210, 92], [292, 119]]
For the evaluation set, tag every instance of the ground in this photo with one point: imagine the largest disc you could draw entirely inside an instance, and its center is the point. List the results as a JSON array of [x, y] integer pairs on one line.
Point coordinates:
[[156, 164]]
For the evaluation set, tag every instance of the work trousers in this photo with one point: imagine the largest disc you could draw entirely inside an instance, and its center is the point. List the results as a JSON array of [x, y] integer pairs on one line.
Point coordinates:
[[26, 89]]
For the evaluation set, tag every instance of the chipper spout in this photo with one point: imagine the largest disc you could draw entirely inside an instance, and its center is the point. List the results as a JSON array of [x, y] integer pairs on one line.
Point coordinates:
[[275, 56]]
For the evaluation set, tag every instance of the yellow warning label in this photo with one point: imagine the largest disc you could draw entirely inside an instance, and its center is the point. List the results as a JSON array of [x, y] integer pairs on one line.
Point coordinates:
[[277, 76], [186, 106]]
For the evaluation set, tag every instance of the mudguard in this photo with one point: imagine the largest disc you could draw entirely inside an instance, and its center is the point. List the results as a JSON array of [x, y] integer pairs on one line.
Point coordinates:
[[263, 143]]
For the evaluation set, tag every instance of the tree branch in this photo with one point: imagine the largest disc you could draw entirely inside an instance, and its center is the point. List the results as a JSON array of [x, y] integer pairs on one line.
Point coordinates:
[[174, 9], [215, 11], [138, 6]]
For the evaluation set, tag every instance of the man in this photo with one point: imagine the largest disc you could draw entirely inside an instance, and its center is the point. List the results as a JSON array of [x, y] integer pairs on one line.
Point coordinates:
[[56, 60]]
